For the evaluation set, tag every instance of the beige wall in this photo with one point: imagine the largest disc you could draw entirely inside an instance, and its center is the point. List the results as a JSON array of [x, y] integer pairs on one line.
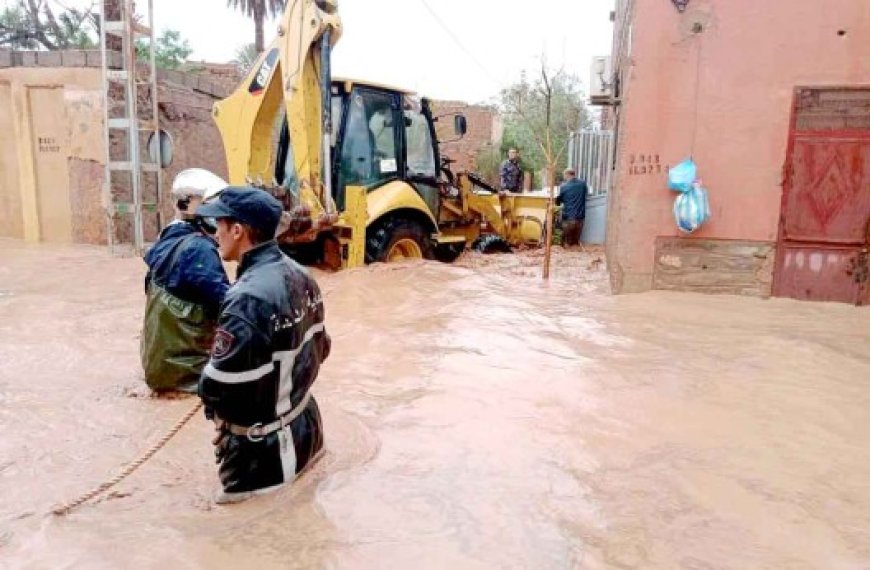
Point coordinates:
[[52, 156], [52, 115], [11, 213], [724, 96]]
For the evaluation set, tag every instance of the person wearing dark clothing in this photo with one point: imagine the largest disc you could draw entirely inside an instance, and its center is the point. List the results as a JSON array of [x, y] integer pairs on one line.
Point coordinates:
[[184, 287], [572, 198], [267, 352], [510, 173], [185, 262]]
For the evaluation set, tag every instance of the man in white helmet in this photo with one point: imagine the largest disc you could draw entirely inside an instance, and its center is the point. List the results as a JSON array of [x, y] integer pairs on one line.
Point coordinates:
[[185, 286]]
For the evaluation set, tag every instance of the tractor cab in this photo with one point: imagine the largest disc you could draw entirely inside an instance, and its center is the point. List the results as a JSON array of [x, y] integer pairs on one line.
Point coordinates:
[[380, 134]]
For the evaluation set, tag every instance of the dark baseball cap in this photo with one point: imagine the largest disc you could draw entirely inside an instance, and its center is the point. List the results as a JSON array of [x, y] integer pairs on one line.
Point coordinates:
[[251, 206]]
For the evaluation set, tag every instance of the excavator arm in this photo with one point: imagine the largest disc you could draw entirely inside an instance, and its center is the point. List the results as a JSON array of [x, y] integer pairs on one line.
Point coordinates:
[[293, 71]]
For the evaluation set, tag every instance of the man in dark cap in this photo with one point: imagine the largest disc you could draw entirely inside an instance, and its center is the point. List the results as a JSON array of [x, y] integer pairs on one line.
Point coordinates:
[[267, 352]]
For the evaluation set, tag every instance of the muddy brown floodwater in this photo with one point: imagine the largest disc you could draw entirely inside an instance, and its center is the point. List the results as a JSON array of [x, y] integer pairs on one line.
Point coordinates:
[[475, 418]]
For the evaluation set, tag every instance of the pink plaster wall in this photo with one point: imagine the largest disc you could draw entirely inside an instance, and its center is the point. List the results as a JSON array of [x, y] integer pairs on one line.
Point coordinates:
[[752, 56]]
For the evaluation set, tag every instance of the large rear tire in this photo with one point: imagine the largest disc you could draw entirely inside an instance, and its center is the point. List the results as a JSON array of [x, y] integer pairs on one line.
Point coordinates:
[[492, 243], [397, 239]]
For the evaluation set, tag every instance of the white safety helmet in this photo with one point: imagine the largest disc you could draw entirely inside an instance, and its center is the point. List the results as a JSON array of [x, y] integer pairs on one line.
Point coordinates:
[[198, 183]]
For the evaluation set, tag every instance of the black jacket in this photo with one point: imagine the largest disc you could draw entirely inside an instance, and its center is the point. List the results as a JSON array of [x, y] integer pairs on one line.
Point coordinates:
[[267, 352], [572, 195]]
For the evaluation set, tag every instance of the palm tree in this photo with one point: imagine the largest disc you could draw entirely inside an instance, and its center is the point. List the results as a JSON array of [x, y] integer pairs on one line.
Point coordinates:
[[257, 10]]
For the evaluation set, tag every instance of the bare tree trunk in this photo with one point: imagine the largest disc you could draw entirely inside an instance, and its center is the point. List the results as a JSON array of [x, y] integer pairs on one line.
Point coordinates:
[[259, 17], [548, 231], [551, 166], [33, 9]]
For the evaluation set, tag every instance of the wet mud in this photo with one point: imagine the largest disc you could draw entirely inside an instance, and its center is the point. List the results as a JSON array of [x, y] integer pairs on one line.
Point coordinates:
[[475, 417]]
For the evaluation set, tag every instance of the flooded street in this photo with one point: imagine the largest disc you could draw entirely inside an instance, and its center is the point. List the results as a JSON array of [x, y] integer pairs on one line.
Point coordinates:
[[475, 417]]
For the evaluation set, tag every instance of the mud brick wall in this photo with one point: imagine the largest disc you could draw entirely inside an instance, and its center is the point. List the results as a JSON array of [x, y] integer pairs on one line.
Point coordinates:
[[484, 131]]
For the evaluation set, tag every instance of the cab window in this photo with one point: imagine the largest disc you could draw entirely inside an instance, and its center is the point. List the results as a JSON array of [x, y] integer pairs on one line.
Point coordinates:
[[420, 161], [368, 153]]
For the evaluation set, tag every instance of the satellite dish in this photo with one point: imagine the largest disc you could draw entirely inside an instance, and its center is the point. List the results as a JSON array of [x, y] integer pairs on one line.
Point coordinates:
[[160, 152]]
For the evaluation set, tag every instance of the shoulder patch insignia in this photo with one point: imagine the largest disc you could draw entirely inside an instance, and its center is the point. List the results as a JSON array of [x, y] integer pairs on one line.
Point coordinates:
[[223, 342]]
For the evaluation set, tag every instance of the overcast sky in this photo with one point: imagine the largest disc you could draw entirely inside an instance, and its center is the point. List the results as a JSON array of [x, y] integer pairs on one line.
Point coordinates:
[[401, 42]]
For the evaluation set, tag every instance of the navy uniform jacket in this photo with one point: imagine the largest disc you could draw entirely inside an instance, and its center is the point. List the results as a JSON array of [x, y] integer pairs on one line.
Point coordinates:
[[267, 353]]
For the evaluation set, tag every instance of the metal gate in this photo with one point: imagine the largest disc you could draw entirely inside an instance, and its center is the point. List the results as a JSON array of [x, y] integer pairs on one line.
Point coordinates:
[[824, 235], [590, 153]]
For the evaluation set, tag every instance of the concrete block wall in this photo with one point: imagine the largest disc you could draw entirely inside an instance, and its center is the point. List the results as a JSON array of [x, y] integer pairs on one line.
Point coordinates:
[[60, 58]]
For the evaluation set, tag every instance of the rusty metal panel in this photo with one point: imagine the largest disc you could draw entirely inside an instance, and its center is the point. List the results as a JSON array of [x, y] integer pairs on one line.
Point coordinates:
[[829, 196], [859, 271], [832, 109], [824, 237], [816, 273]]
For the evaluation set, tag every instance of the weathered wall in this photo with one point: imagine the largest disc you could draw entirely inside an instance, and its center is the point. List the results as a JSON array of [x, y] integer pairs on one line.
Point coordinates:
[[55, 116], [722, 93], [484, 132], [186, 115], [714, 266], [52, 169], [11, 213]]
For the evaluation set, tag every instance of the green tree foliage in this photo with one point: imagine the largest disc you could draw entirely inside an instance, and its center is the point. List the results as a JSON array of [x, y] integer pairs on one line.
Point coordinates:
[[35, 24], [541, 114], [246, 56], [170, 50]]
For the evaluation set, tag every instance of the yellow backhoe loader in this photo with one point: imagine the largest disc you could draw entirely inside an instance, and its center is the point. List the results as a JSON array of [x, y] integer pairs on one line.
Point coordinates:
[[356, 165]]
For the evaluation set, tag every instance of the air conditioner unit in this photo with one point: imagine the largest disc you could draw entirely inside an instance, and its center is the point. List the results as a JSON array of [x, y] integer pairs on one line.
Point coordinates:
[[601, 81]]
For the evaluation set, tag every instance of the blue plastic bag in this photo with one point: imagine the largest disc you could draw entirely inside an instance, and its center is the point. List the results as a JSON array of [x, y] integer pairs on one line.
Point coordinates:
[[691, 209], [681, 177]]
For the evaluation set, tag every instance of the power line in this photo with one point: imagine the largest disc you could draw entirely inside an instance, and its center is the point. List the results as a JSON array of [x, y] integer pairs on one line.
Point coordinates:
[[459, 44]]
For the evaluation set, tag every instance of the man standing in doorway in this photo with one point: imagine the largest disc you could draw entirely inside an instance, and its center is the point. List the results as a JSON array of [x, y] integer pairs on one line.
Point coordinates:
[[510, 173], [267, 352], [572, 198]]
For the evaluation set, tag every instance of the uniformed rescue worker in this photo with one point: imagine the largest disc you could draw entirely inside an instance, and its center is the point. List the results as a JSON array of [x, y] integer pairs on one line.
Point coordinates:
[[185, 286], [267, 352]]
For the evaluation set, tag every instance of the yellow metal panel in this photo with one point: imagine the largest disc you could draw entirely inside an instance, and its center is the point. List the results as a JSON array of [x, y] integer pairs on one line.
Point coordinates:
[[355, 217], [527, 215], [394, 196], [246, 121], [302, 24], [454, 237], [349, 83], [288, 71]]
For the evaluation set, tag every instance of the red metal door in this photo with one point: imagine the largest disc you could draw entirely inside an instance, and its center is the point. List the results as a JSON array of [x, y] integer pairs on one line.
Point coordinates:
[[823, 238]]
